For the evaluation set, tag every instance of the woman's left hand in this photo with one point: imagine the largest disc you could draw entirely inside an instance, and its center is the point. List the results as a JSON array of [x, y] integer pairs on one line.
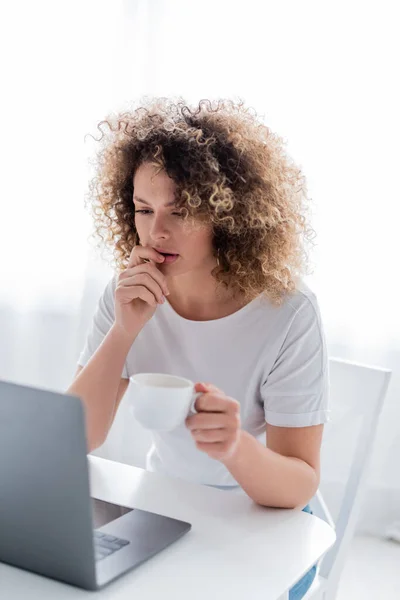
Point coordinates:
[[216, 429]]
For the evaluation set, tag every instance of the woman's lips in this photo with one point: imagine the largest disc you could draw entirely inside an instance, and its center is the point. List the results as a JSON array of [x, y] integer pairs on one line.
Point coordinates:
[[169, 258]]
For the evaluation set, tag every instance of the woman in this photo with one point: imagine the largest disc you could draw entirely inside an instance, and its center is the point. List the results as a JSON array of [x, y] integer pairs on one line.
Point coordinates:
[[206, 215]]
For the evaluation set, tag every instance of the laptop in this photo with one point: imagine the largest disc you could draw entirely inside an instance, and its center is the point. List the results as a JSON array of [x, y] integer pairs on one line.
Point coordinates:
[[49, 524]]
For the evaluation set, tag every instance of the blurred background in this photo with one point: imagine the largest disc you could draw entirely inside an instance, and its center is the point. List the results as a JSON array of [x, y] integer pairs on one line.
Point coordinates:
[[323, 75]]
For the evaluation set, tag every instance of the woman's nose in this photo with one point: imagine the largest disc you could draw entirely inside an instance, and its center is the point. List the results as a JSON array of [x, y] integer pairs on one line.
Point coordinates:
[[159, 228]]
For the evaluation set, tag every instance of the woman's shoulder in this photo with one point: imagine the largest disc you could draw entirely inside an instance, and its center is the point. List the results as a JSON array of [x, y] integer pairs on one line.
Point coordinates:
[[303, 298]]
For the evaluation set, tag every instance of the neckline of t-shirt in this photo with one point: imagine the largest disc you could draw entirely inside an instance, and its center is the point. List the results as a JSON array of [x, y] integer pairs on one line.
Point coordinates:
[[235, 315]]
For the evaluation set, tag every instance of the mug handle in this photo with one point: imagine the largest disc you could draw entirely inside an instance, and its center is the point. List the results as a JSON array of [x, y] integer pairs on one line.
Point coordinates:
[[192, 408]]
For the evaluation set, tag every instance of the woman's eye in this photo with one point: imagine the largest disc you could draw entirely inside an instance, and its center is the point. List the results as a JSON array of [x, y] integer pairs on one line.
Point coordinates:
[[147, 212]]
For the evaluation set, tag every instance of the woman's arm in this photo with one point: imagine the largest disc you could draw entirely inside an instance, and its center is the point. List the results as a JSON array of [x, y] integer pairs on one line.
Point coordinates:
[[99, 385], [284, 474]]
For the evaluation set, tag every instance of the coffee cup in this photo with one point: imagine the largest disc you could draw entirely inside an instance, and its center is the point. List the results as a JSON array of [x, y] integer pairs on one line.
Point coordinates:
[[162, 402]]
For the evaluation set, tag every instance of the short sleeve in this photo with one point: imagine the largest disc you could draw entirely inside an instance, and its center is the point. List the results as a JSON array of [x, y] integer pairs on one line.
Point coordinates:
[[102, 321], [296, 391]]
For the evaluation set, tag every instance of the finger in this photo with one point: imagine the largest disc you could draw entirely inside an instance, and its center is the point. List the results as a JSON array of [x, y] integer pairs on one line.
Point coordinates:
[[125, 295], [144, 279], [144, 294], [207, 387], [210, 435], [216, 402], [207, 421], [149, 269], [144, 253], [214, 448]]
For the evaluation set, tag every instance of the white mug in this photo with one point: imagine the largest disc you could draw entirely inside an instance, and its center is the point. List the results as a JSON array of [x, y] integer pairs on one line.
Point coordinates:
[[162, 402]]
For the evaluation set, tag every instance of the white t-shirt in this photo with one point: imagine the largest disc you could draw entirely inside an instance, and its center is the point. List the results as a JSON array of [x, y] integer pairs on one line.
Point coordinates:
[[271, 359]]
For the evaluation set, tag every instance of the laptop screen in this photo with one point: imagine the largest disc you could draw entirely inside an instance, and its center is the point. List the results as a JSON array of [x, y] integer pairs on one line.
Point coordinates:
[[104, 512]]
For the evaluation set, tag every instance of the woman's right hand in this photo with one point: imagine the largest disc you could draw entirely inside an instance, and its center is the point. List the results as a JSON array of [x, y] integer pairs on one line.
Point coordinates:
[[140, 289]]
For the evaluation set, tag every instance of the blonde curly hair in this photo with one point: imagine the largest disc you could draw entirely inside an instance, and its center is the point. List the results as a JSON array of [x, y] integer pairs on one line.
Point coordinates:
[[230, 170]]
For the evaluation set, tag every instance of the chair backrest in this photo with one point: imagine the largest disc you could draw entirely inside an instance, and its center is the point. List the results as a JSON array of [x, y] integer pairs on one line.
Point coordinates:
[[357, 392]]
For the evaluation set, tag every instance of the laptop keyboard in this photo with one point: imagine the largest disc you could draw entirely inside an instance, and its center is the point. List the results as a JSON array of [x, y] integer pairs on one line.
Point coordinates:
[[105, 545]]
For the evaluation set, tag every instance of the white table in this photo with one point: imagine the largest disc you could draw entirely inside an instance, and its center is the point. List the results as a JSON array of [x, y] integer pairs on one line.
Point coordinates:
[[235, 549]]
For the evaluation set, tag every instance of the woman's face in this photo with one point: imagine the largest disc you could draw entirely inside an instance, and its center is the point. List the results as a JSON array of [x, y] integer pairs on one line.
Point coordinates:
[[160, 225]]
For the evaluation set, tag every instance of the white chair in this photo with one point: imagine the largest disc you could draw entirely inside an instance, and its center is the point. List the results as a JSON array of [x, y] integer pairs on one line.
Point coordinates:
[[357, 392]]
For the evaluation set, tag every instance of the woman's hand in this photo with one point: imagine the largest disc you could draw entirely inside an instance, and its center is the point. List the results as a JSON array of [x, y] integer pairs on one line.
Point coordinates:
[[216, 429], [140, 289]]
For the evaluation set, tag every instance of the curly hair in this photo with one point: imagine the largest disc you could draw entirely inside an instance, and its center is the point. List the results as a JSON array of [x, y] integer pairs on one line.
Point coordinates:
[[229, 170]]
